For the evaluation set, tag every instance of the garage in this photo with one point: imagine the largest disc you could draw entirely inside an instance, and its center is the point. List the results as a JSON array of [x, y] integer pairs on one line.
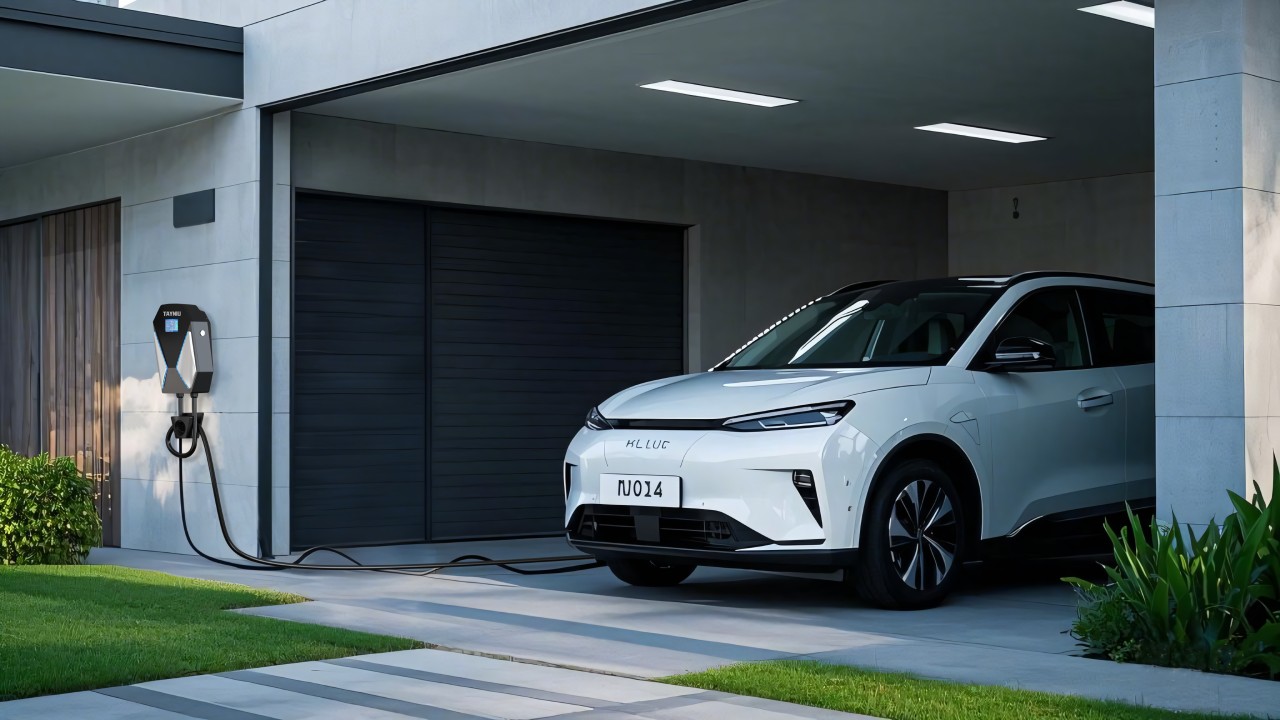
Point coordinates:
[[479, 255], [443, 357]]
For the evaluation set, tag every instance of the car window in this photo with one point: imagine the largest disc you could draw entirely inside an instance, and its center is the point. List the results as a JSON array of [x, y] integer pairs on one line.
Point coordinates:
[[1052, 317], [1122, 326], [919, 322]]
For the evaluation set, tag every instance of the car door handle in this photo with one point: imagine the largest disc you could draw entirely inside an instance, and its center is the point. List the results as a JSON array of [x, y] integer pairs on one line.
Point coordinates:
[[1094, 398]]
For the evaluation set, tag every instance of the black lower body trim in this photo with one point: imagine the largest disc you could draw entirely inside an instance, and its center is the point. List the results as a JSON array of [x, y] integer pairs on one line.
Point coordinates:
[[1076, 533], [684, 528], [775, 560]]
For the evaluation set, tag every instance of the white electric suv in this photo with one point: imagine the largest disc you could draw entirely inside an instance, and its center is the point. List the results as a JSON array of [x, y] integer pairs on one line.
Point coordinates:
[[892, 430]]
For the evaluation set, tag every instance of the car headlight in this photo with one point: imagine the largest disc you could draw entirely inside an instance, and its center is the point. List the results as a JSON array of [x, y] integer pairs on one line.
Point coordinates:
[[789, 418], [596, 421]]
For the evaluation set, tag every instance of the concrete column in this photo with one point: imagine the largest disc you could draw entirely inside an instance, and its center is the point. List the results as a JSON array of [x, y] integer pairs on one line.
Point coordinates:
[[1217, 115], [281, 326]]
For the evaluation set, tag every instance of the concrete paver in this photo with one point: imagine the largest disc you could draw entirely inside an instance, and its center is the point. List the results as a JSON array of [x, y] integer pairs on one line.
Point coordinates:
[[1008, 626], [429, 684], [1005, 628]]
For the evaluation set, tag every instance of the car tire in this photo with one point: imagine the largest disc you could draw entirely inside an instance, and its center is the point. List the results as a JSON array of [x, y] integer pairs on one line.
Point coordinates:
[[899, 566], [649, 573]]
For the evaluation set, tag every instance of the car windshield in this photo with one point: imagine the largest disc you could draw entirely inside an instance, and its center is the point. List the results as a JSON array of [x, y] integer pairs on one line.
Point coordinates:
[[904, 323]]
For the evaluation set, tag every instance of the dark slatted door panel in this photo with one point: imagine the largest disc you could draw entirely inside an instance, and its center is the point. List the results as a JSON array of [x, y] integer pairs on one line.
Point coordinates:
[[534, 319], [359, 384], [20, 337]]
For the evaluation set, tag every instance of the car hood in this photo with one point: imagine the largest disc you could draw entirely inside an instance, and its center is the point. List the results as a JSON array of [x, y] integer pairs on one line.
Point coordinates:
[[728, 393]]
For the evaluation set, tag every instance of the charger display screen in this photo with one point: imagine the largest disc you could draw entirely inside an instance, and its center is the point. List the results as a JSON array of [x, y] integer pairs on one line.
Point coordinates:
[[171, 325]]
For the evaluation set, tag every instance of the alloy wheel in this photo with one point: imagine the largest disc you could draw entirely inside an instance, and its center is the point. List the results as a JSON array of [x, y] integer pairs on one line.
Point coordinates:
[[922, 534]]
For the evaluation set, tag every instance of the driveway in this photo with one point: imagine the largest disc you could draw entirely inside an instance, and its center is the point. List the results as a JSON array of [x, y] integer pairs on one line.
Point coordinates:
[[1005, 627]]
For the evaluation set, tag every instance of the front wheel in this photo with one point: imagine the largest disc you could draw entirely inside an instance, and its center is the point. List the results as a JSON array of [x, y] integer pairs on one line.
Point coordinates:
[[913, 543], [648, 573]]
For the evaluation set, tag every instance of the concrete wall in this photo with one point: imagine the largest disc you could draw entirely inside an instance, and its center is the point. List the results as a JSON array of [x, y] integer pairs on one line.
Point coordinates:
[[762, 242], [1102, 225], [334, 42], [214, 266], [236, 13]]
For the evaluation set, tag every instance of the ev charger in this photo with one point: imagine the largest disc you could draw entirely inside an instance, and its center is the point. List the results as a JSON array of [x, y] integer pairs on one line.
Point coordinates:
[[184, 354], [184, 349]]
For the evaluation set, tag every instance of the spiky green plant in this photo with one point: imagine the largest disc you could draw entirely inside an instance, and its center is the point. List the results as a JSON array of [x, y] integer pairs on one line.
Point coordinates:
[[1209, 601]]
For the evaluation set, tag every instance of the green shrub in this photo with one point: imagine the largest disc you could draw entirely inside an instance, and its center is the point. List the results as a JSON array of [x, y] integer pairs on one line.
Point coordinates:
[[47, 515], [1208, 602]]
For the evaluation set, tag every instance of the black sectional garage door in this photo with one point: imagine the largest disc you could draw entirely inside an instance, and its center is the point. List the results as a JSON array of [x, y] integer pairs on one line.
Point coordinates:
[[444, 358], [359, 372], [534, 319]]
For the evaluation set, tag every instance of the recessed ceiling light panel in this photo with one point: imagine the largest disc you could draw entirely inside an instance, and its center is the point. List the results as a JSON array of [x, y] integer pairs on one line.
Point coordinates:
[[1129, 12], [982, 133], [715, 93]]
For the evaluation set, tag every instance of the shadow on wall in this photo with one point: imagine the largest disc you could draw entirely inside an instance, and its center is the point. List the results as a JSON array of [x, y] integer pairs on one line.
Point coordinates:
[[150, 510]]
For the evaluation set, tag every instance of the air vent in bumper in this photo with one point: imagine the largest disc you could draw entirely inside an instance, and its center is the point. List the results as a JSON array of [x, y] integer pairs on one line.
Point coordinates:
[[664, 527], [808, 489]]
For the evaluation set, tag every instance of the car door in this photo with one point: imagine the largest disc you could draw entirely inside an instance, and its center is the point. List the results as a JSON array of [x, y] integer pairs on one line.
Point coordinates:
[[1123, 336], [1057, 434]]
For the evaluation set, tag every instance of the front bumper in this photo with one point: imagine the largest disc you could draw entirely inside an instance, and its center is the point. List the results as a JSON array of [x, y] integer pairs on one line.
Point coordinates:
[[815, 560], [734, 482]]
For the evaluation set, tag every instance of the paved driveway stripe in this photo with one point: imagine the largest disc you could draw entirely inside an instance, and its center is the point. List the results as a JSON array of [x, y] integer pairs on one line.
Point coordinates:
[[350, 697], [180, 705], [644, 707], [470, 683], [710, 648], [82, 705]]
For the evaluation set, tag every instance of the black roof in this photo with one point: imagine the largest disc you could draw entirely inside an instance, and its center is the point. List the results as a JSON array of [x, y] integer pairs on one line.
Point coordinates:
[[1005, 281]]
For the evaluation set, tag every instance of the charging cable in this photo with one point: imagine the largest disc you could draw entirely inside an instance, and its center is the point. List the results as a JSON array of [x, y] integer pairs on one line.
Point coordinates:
[[190, 426]]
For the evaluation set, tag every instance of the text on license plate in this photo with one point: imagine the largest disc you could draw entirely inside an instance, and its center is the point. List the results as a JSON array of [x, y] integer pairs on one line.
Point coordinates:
[[645, 490]]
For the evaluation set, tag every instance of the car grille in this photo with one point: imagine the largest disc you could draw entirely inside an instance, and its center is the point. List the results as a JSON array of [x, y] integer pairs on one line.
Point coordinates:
[[665, 527]]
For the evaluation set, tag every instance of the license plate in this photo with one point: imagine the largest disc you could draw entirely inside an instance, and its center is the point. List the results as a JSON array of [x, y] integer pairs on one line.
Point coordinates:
[[644, 490]]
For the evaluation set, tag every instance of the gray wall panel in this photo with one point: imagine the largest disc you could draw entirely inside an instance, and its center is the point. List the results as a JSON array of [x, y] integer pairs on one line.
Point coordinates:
[[1102, 225]]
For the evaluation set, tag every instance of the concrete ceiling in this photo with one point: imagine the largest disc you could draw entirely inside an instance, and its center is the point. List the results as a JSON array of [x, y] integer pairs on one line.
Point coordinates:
[[866, 72], [46, 115]]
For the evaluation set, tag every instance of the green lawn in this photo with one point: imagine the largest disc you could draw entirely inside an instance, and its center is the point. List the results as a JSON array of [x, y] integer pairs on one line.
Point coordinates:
[[903, 697], [65, 628]]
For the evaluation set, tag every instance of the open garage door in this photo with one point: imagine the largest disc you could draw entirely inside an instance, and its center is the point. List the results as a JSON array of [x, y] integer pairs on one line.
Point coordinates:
[[444, 358]]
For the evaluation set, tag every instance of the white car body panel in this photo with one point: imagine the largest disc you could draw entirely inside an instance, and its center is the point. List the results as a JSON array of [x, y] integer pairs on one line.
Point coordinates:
[[727, 394], [1030, 445]]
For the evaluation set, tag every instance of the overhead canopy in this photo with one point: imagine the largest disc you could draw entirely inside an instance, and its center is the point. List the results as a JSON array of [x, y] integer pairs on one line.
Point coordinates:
[[74, 75], [866, 74]]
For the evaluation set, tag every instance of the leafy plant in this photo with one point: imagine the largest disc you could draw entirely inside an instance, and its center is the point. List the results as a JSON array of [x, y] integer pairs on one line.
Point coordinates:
[[1208, 602], [47, 515]]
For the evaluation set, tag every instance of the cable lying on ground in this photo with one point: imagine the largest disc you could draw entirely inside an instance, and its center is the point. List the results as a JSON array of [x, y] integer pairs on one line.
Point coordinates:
[[260, 563]]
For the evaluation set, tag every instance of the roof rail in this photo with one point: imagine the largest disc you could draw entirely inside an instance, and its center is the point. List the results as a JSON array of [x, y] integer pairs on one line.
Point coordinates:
[[1036, 274], [865, 284]]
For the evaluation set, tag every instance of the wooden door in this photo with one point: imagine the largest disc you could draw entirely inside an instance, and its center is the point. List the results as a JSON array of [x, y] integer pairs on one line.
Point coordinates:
[[80, 349]]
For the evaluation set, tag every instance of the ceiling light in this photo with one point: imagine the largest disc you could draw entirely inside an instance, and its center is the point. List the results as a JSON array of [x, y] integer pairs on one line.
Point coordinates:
[[977, 132], [1129, 12], [716, 93]]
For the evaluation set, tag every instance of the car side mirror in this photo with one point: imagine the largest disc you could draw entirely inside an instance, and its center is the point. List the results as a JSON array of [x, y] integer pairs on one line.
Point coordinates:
[[1021, 353]]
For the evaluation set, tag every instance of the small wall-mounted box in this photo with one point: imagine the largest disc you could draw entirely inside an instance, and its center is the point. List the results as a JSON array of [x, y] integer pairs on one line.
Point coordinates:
[[193, 209]]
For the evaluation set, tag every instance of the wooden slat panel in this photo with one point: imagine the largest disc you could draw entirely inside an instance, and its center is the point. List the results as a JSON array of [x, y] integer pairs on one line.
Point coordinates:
[[20, 343], [80, 349]]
